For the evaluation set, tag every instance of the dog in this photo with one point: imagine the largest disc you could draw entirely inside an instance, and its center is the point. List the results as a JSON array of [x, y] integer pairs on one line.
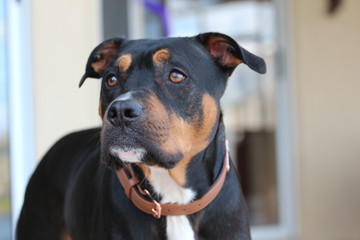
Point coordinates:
[[158, 168]]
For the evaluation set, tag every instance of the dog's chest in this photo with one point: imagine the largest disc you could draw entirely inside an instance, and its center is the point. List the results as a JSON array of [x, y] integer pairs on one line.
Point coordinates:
[[177, 227]]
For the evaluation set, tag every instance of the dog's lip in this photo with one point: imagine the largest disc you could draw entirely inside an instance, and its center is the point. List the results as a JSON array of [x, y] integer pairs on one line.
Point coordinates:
[[128, 154]]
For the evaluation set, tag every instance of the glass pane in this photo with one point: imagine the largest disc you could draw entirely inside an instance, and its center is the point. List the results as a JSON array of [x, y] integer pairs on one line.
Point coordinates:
[[249, 101], [5, 217]]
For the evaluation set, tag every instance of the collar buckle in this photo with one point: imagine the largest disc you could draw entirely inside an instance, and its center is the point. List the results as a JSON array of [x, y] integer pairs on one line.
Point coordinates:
[[156, 211]]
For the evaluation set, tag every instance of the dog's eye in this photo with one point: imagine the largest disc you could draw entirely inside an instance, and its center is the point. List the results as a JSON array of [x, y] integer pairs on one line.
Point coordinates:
[[111, 81], [176, 76]]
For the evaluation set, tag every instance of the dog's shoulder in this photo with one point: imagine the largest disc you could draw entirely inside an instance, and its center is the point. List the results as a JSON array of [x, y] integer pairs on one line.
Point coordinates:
[[77, 141], [71, 149]]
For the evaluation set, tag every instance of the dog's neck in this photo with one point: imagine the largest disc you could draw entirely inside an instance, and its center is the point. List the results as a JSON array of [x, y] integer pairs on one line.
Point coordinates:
[[205, 167], [201, 173]]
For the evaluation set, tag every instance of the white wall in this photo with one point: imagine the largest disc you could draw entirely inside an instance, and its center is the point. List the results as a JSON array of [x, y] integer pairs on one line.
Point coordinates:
[[327, 63], [64, 34]]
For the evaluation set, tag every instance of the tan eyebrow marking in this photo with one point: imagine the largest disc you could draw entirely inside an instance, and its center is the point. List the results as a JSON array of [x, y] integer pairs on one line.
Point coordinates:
[[124, 62], [161, 56]]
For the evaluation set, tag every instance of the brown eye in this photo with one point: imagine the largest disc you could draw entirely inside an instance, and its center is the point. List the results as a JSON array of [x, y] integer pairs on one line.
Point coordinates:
[[112, 81], [176, 76]]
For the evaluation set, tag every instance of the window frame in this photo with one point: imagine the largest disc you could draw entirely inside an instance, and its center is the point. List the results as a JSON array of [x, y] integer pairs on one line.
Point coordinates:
[[20, 88], [286, 131]]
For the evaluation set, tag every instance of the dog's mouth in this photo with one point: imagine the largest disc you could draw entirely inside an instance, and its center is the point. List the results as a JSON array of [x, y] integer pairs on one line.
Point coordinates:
[[122, 145], [119, 145], [128, 154]]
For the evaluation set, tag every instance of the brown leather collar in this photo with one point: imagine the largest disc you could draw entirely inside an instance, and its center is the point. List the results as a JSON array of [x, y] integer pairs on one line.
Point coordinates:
[[138, 195]]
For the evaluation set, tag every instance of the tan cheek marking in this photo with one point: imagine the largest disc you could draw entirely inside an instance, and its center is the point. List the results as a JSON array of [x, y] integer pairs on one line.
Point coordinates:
[[65, 236], [178, 136], [100, 109], [124, 62], [194, 138], [161, 56]]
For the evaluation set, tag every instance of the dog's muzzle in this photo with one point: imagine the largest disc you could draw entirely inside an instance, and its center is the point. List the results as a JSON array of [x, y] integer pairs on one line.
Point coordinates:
[[119, 138]]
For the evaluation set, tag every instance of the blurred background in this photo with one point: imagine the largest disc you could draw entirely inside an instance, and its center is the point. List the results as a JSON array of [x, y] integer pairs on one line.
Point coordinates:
[[294, 132]]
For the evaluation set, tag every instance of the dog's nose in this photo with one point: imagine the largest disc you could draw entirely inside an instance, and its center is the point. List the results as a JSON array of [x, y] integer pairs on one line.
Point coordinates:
[[124, 111]]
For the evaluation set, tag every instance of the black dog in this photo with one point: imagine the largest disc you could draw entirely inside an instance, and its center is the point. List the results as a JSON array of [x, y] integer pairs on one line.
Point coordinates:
[[162, 141]]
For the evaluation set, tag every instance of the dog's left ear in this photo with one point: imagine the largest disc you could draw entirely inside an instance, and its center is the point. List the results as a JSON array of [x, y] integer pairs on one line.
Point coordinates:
[[228, 54], [101, 57]]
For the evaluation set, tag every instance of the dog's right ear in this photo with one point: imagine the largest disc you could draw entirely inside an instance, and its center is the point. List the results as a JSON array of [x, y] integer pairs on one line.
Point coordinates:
[[228, 54], [101, 57]]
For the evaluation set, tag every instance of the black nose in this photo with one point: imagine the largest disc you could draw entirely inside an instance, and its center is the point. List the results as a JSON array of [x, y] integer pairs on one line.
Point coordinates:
[[124, 111]]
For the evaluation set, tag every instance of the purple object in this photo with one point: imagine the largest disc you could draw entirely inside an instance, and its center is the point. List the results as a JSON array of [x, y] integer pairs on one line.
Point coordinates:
[[159, 9]]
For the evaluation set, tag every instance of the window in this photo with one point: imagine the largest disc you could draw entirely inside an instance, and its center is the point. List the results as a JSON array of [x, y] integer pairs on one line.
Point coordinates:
[[249, 103]]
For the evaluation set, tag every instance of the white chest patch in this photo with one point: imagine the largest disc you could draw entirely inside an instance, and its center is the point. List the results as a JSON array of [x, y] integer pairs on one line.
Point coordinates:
[[177, 227]]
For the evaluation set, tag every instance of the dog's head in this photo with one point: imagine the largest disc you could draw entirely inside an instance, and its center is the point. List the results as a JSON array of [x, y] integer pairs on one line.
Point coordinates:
[[160, 98]]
